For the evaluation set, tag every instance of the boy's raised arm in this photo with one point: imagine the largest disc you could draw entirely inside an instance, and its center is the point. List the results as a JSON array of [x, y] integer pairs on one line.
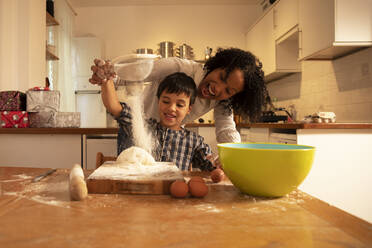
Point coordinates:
[[110, 98]]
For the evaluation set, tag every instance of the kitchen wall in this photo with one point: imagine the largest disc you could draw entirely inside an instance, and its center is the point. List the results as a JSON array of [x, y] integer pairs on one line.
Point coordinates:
[[343, 86], [125, 28], [22, 44]]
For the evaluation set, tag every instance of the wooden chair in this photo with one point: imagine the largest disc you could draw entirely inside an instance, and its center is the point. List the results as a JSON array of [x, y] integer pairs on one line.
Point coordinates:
[[100, 159]]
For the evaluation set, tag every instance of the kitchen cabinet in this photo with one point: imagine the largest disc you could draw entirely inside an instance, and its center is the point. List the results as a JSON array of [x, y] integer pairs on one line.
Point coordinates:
[[341, 171], [42, 150], [261, 43], [274, 40], [55, 147], [285, 17], [50, 21], [333, 28]]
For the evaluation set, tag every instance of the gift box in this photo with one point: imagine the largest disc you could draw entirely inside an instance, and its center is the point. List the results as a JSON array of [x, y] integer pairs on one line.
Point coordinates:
[[42, 100], [42, 119], [68, 119], [54, 119], [12, 101], [16, 119]]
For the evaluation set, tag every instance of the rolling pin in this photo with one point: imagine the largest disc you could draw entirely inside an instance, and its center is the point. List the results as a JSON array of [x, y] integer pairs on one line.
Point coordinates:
[[78, 187]]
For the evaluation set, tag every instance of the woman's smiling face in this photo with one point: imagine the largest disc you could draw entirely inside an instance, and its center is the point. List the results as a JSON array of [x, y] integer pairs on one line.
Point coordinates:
[[216, 86], [173, 108]]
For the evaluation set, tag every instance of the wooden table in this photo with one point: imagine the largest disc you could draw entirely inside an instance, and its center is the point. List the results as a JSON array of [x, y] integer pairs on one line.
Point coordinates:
[[42, 215]]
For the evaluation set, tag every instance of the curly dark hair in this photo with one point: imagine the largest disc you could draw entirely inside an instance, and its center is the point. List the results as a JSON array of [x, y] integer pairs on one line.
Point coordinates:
[[177, 83], [250, 101]]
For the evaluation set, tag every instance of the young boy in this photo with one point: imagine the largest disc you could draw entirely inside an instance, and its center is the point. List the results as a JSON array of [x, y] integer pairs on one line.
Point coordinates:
[[176, 94]]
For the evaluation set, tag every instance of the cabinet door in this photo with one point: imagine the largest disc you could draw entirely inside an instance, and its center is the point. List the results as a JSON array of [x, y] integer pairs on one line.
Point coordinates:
[[40, 150], [285, 17], [316, 20], [353, 21], [260, 42]]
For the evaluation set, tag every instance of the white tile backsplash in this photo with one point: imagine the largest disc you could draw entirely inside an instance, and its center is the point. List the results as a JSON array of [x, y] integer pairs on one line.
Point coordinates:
[[343, 86]]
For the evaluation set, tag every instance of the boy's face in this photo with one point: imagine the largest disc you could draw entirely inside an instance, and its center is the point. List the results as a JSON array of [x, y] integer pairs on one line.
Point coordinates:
[[173, 109]]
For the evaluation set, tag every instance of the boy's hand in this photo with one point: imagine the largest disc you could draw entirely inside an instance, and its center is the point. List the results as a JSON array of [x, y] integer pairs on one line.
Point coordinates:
[[215, 161], [102, 72]]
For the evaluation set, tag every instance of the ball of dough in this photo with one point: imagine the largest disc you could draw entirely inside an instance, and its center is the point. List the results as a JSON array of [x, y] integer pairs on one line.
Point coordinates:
[[217, 175], [135, 155], [179, 189]]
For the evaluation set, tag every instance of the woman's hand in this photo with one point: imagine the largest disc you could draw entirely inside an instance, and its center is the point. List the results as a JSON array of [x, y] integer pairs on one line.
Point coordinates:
[[103, 70]]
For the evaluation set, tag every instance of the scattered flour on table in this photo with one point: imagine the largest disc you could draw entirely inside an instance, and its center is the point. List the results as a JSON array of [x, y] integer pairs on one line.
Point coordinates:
[[43, 193], [209, 208], [19, 177]]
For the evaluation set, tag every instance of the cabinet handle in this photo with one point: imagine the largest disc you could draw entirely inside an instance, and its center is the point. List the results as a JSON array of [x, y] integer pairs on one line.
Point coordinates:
[[300, 43], [274, 18]]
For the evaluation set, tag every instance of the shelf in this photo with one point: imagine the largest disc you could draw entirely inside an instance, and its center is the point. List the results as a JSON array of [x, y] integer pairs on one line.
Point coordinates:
[[51, 56], [50, 21]]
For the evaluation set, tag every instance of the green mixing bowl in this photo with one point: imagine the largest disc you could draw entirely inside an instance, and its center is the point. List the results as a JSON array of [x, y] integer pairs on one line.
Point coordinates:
[[266, 169]]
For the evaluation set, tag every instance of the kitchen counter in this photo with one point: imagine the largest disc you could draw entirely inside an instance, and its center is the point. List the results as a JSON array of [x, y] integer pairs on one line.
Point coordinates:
[[299, 125], [58, 130], [41, 215], [294, 125]]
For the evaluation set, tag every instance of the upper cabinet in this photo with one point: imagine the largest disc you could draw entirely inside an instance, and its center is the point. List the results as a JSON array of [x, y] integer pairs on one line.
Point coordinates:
[[285, 17], [333, 28], [274, 40], [50, 21], [261, 42], [294, 30]]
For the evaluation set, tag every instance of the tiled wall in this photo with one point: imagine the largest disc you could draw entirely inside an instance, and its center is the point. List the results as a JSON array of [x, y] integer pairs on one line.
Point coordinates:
[[343, 86]]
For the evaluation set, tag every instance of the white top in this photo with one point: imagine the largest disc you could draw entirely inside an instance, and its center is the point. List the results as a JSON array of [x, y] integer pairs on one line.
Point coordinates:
[[224, 123]]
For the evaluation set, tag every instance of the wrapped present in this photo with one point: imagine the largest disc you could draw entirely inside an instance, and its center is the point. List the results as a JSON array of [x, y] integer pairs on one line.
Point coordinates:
[[41, 100], [68, 119], [12, 101], [42, 119], [17, 119], [54, 119], [37, 88]]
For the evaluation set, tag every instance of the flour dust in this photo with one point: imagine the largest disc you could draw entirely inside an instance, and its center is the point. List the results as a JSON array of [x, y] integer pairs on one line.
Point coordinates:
[[142, 136]]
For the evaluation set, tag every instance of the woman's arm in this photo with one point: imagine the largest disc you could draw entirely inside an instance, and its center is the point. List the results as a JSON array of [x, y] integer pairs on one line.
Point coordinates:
[[225, 125], [110, 98]]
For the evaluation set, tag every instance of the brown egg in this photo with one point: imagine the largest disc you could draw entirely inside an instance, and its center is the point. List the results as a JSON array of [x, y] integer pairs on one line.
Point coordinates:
[[217, 175], [196, 179], [198, 189], [179, 189]]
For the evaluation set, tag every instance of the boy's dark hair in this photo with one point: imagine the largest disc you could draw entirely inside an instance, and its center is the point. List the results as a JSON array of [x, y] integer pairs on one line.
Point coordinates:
[[249, 102], [178, 83]]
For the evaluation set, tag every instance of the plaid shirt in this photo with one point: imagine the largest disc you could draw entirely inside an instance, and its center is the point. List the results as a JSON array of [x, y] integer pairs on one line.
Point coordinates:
[[182, 147]]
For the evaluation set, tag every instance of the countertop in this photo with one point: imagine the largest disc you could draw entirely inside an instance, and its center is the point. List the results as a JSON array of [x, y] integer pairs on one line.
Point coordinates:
[[294, 125], [300, 125], [41, 215]]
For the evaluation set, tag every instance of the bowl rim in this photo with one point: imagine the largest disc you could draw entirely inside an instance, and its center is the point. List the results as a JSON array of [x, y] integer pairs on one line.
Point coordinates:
[[307, 147]]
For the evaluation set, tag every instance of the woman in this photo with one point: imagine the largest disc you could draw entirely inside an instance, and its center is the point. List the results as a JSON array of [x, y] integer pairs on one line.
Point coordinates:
[[230, 82]]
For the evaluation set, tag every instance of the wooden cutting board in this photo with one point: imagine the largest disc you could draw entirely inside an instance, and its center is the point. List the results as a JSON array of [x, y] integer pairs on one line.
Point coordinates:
[[112, 178]]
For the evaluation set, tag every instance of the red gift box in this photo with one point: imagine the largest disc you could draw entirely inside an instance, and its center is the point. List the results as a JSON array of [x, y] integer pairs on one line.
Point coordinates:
[[17, 119], [12, 101]]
